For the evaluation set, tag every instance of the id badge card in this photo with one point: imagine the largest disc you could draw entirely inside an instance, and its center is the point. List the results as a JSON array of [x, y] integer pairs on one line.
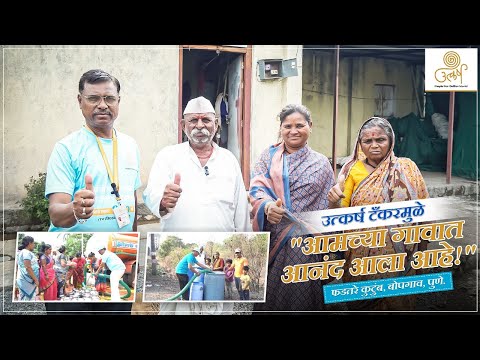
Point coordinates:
[[121, 214]]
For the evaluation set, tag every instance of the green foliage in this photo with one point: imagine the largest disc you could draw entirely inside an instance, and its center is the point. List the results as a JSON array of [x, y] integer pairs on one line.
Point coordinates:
[[73, 244], [171, 251], [171, 261], [254, 248], [86, 237], [209, 249], [36, 249], [167, 246], [35, 203]]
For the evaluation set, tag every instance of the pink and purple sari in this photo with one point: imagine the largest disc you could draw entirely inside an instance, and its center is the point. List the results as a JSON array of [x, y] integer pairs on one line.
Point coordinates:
[[302, 181], [48, 286], [78, 272]]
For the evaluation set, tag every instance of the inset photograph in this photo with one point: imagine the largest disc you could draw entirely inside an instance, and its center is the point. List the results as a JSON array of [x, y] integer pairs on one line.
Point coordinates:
[[206, 266], [75, 267]]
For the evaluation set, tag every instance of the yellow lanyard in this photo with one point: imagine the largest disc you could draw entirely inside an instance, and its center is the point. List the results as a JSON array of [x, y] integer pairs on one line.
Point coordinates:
[[114, 180]]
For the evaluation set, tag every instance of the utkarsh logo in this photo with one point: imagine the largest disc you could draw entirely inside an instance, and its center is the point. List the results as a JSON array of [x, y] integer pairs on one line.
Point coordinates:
[[451, 69]]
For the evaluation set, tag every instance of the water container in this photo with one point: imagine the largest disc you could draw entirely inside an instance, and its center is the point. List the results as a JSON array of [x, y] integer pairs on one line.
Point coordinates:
[[199, 279], [214, 286], [196, 291]]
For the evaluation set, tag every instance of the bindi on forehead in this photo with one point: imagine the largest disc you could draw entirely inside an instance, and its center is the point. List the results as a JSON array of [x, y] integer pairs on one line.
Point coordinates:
[[373, 132]]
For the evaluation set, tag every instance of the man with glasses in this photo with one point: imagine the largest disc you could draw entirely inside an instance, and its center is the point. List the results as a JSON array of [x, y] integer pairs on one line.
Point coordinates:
[[93, 173], [197, 185]]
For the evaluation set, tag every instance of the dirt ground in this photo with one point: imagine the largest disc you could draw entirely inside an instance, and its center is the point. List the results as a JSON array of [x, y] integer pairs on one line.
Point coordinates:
[[163, 286]]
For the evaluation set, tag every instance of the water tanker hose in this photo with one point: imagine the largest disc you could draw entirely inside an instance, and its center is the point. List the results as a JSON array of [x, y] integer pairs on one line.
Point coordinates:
[[101, 276], [176, 296]]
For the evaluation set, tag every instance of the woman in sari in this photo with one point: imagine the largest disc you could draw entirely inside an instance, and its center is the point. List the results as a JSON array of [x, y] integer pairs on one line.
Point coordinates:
[[218, 263], [77, 271], [61, 269], [48, 280], [100, 281], [27, 274], [374, 175], [289, 178]]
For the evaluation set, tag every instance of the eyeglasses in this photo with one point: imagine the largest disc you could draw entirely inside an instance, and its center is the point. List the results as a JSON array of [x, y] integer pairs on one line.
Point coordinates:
[[96, 99]]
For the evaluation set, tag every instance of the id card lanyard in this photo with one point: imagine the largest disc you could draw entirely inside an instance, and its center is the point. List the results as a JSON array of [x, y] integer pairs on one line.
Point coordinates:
[[113, 179], [120, 211]]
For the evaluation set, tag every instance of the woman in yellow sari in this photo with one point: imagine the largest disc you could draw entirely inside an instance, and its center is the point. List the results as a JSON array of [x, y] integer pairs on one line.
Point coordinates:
[[374, 175]]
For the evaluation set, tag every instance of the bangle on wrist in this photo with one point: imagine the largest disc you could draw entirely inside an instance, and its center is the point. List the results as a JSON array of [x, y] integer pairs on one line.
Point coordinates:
[[80, 221]]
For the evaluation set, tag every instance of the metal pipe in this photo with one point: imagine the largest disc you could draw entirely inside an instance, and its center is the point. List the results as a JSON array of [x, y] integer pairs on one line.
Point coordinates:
[[451, 112], [153, 254], [415, 89], [180, 95], [350, 105], [335, 110], [247, 106]]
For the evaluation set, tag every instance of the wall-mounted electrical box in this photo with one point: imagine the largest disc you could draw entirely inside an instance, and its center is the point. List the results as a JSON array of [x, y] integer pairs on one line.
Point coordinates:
[[277, 68]]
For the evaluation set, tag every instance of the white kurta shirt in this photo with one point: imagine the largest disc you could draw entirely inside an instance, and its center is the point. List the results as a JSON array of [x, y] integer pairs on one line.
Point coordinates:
[[214, 202], [201, 258]]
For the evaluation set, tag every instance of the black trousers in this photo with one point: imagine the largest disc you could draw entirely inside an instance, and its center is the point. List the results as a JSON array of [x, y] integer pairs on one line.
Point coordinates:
[[183, 281], [60, 285]]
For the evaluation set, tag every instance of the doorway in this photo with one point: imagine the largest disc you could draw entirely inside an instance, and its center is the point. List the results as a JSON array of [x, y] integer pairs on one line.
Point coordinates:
[[220, 74]]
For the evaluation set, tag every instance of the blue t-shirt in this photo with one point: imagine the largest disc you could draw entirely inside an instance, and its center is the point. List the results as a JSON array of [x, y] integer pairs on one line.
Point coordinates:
[[112, 261], [182, 267], [77, 155]]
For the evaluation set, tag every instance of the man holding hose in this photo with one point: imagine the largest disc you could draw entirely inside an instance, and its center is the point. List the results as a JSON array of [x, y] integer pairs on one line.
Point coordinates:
[[182, 268], [117, 269]]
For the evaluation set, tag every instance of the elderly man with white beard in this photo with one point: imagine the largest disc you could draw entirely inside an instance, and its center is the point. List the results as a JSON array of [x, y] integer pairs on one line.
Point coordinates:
[[197, 185]]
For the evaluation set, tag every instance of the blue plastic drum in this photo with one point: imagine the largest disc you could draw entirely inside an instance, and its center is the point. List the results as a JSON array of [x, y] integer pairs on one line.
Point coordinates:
[[214, 286]]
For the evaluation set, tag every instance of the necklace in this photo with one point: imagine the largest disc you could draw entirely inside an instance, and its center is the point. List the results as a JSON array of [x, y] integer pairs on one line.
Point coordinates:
[[366, 162], [206, 156]]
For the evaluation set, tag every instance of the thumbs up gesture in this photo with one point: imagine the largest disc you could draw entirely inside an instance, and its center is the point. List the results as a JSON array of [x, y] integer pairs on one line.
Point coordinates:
[[88, 183], [84, 199], [274, 211], [336, 192], [171, 194]]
